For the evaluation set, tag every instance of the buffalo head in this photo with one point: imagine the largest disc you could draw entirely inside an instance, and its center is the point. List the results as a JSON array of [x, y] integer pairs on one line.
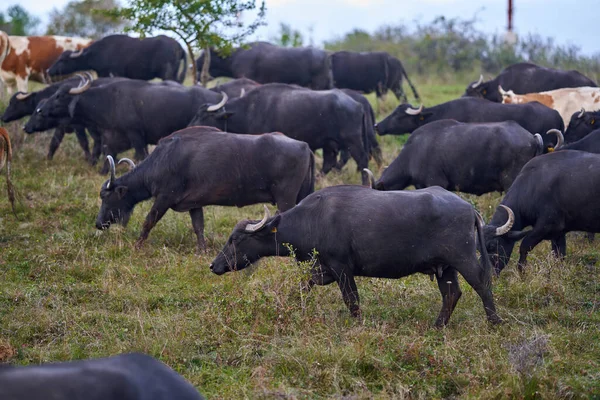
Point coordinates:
[[404, 119], [581, 124], [500, 239], [249, 241], [69, 62], [117, 205], [484, 90], [20, 105], [212, 114]]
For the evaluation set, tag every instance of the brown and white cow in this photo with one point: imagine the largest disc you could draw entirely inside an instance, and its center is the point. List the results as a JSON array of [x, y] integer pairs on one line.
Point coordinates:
[[30, 56], [566, 101]]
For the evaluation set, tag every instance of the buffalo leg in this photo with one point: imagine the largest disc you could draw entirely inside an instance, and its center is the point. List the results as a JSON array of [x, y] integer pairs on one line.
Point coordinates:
[[158, 210], [83, 142], [198, 223], [359, 154], [97, 147], [59, 134], [559, 246], [531, 240], [347, 285], [318, 277], [450, 290], [471, 271], [329, 159], [344, 157]]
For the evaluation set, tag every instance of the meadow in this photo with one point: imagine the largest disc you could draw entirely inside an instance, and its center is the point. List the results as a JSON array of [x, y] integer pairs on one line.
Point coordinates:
[[69, 291]]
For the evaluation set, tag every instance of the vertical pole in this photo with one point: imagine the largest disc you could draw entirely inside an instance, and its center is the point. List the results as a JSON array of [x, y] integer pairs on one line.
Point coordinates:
[[510, 15]]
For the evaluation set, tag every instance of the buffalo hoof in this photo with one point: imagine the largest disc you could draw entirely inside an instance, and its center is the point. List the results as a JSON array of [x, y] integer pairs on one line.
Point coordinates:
[[138, 245]]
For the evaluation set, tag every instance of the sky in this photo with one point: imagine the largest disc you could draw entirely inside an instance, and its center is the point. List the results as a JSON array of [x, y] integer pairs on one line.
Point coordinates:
[[567, 21]]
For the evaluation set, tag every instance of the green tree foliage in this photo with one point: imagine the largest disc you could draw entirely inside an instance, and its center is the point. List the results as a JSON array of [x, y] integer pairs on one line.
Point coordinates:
[[288, 37], [18, 21], [200, 24], [82, 18]]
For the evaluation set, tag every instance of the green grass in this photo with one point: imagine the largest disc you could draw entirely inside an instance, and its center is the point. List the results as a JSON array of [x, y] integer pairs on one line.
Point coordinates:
[[68, 291]]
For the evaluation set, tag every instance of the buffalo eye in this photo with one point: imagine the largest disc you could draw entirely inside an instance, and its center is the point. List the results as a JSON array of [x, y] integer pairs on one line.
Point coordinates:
[[592, 121], [484, 91], [39, 110], [421, 118]]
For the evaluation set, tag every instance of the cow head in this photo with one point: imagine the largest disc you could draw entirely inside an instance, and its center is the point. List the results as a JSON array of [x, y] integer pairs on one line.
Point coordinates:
[[20, 105], [69, 62], [40, 120], [499, 239], [117, 202], [581, 124], [212, 114], [404, 119], [249, 242], [484, 90]]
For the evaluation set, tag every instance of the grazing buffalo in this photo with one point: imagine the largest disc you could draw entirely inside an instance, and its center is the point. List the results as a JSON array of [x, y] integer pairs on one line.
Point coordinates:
[[236, 87], [589, 143], [327, 119], [6, 159], [566, 101], [370, 72], [534, 117], [472, 158], [554, 196], [202, 166], [526, 78], [25, 104], [267, 63], [121, 55], [132, 376], [581, 124], [129, 113], [357, 231]]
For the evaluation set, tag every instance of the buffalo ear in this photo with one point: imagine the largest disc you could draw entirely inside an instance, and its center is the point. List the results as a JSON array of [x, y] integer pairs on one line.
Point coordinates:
[[72, 106], [273, 224], [516, 235], [225, 115], [425, 115], [121, 191]]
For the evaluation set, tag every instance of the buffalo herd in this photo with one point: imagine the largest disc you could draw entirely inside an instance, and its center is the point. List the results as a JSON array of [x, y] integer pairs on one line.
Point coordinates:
[[253, 140]]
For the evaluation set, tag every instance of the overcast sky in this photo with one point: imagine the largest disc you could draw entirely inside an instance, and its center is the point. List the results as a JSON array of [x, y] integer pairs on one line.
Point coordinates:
[[567, 21]]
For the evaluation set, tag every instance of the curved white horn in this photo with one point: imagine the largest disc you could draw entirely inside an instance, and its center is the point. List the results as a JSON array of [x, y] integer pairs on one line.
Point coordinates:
[[581, 113], [243, 93], [111, 163], [504, 229], [23, 96], [216, 107], [560, 139], [414, 111], [502, 91], [81, 88], [128, 162], [371, 177], [76, 54], [258, 226], [479, 82]]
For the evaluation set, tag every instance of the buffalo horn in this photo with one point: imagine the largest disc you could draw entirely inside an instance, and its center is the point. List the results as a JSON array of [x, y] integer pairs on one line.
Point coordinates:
[[242, 93], [76, 54], [504, 229], [540, 141], [560, 139], [128, 162], [111, 163], [371, 177], [581, 113], [479, 82], [502, 91], [23, 96], [83, 86], [216, 107], [258, 226], [414, 111]]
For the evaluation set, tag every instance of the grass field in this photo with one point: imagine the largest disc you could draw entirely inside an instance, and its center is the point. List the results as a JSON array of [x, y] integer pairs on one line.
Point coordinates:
[[68, 291]]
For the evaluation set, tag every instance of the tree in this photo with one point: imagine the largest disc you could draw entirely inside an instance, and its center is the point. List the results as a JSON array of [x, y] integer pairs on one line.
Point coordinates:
[[18, 21], [288, 37], [82, 18], [200, 24]]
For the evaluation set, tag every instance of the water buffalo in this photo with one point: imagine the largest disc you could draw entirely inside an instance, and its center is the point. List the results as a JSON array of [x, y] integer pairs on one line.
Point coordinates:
[[132, 376], [236, 87], [121, 55], [534, 117], [201, 166], [129, 113], [524, 78], [589, 143], [552, 195], [25, 104], [370, 72], [357, 231], [582, 123], [267, 63], [472, 158], [327, 119]]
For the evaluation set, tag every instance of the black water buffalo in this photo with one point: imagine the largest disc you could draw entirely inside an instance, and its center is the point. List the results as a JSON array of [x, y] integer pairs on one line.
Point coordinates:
[[267, 63], [589, 143], [370, 72], [201, 166], [581, 124], [25, 104], [465, 157], [554, 196], [132, 376], [525, 78], [329, 119], [534, 117], [357, 231], [236, 87], [129, 113], [121, 55]]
